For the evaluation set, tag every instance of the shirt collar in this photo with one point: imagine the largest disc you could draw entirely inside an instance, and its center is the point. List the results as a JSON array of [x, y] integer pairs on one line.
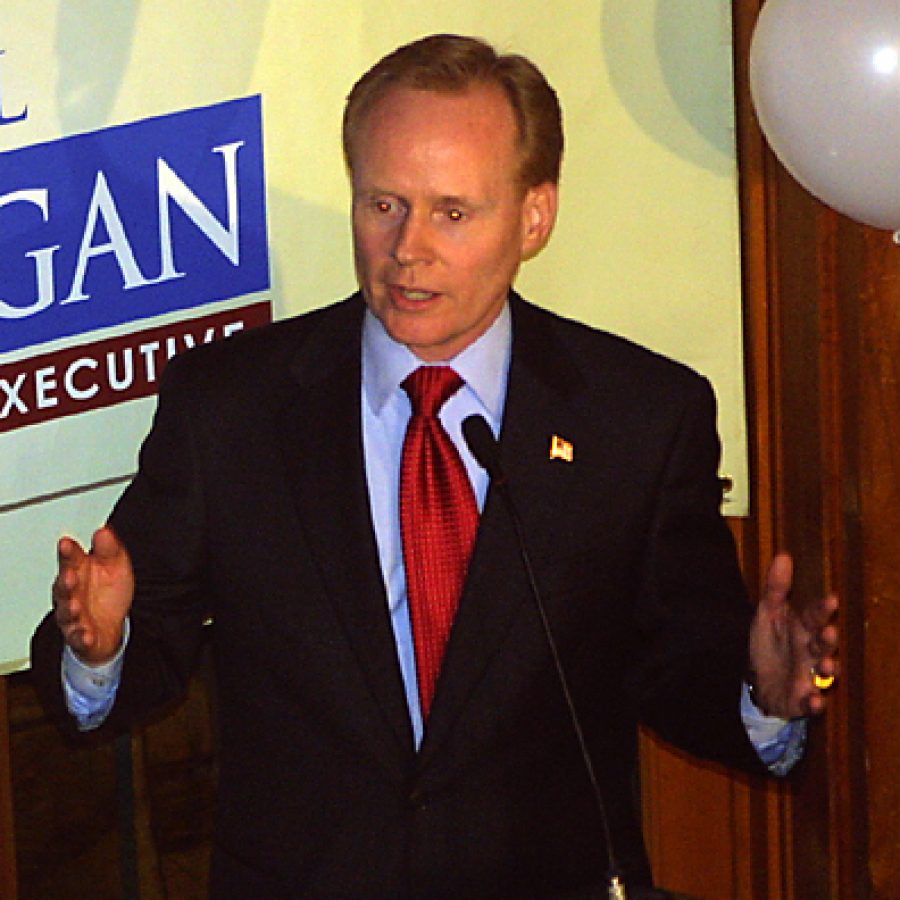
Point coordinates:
[[483, 365]]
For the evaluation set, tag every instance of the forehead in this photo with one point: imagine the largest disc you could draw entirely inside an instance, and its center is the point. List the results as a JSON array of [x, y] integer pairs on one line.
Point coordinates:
[[417, 131]]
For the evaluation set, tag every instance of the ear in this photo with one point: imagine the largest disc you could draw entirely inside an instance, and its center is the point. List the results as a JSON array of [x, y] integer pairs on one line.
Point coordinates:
[[538, 217]]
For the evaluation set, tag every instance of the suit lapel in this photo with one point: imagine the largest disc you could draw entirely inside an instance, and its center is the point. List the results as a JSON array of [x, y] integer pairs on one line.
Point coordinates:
[[322, 450], [542, 385]]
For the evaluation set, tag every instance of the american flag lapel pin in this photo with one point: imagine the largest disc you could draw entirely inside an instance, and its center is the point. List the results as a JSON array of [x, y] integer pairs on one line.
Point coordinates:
[[560, 448]]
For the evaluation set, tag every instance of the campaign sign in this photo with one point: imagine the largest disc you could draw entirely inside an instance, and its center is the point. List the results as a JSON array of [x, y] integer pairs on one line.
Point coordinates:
[[84, 377], [131, 221]]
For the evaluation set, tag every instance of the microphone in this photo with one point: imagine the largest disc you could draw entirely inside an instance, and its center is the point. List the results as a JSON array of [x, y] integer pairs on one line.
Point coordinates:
[[484, 447]]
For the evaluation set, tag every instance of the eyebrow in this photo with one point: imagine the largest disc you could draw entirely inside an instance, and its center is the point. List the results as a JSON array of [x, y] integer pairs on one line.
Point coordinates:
[[441, 200], [456, 200]]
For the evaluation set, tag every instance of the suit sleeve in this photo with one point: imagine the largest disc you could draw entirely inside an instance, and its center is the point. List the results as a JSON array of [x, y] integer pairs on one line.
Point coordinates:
[[692, 612], [161, 520]]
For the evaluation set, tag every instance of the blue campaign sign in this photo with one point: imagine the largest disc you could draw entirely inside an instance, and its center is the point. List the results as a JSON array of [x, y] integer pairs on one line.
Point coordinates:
[[132, 221]]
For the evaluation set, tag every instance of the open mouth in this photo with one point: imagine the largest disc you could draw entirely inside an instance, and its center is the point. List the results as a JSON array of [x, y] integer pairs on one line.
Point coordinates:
[[403, 296]]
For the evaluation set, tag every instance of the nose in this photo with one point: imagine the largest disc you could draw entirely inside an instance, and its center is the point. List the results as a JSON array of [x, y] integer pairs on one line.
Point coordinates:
[[412, 242]]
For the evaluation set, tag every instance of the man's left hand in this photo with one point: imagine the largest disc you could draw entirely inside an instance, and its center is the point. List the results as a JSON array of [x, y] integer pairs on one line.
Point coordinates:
[[790, 647]]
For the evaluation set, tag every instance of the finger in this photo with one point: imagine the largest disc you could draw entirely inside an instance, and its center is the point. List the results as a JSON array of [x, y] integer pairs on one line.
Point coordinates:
[[827, 667], [105, 545], [64, 591], [69, 553], [779, 580], [817, 615], [81, 640], [68, 579], [73, 635], [807, 700], [63, 588], [815, 705], [68, 612], [822, 677], [821, 636], [824, 642]]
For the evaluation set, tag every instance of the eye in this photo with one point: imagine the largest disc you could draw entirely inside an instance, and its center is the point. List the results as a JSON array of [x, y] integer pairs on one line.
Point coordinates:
[[384, 206], [454, 214]]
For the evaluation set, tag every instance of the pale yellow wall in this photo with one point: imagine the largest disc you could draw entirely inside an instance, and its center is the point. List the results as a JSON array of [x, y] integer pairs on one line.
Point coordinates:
[[647, 241]]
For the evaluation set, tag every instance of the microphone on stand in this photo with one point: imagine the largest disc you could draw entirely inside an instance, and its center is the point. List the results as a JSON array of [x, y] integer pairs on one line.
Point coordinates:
[[484, 447]]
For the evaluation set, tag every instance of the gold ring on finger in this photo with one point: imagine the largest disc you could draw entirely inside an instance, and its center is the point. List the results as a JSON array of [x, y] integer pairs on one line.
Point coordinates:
[[822, 682]]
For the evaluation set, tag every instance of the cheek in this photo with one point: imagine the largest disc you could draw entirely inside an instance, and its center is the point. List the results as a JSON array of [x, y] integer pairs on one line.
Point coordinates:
[[366, 248], [497, 261]]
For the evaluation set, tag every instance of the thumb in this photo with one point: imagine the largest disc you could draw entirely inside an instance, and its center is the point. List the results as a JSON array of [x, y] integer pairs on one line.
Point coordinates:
[[105, 545], [778, 582]]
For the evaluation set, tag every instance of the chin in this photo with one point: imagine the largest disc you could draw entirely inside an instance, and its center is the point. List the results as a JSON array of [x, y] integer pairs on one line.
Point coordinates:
[[426, 345]]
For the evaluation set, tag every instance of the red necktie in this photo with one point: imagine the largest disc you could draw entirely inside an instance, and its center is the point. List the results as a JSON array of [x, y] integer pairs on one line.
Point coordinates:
[[438, 521]]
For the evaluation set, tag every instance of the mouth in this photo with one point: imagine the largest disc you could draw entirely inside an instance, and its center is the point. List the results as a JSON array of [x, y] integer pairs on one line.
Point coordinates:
[[411, 298]]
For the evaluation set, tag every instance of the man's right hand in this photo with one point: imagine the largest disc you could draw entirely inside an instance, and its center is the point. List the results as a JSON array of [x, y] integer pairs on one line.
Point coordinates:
[[92, 594]]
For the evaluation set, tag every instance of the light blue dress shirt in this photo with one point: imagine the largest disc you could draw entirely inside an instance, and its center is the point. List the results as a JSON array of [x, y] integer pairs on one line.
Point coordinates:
[[483, 366]]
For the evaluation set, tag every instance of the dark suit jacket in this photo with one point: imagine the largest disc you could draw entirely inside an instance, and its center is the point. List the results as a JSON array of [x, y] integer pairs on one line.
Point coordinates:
[[251, 505]]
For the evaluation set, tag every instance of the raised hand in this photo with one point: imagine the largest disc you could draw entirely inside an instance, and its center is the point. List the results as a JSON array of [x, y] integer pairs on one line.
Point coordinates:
[[790, 647], [92, 594]]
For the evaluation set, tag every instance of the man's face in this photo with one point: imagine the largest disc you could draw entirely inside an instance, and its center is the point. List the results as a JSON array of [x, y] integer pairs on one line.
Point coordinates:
[[440, 222]]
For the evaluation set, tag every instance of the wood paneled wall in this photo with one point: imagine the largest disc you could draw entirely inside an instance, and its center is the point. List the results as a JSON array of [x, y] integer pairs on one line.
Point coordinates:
[[822, 315]]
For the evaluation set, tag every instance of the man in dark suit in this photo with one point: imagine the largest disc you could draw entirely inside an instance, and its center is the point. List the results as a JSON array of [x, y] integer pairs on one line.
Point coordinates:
[[267, 498]]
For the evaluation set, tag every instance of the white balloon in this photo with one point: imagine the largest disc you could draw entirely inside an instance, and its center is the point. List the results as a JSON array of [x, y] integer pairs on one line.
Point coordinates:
[[825, 81]]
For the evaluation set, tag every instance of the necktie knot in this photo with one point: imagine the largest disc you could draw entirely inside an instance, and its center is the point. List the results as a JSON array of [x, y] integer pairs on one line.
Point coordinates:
[[429, 388]]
